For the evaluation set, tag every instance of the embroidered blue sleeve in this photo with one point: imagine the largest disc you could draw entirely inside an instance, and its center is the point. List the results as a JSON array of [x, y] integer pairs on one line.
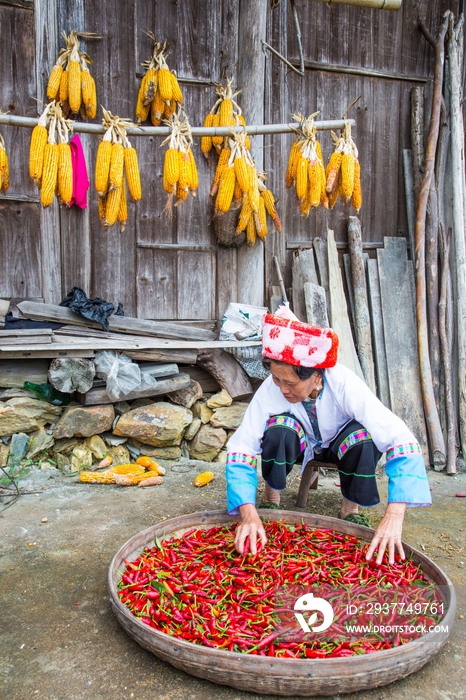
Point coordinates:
[[407, 478], [241, 474]]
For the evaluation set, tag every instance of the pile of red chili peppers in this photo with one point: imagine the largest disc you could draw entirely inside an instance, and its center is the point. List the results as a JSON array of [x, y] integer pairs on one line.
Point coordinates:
[[198, 588]]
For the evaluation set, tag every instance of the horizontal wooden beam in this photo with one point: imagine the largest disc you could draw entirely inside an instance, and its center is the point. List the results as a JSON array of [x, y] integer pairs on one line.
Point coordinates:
[[365, 72], [191, 247], [341, 245], [84, 128]]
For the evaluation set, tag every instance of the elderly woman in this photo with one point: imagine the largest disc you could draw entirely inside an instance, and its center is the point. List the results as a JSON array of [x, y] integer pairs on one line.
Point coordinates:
[[312, 405]]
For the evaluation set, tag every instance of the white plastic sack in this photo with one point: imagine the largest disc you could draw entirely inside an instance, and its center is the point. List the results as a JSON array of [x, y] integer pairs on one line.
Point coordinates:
[[122, 374]]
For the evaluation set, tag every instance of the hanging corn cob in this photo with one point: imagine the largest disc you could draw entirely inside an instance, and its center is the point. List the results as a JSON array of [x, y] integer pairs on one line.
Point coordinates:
[[306, 169], [70, 81], [225, 112], [50, 163], [179, 169], [4, 169], [159, 92], [343, 170], [116, 166]]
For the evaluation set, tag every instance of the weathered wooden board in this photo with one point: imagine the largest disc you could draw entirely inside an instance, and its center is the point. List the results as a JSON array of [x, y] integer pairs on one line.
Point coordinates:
[[13, 373], [122, 324], [25, 340], [303, 270], [187, 355], [98, 396], [339, 311], [158, 370], [275, 298], [227, 371], [349, 285], [316, 305], [399, 326], [378, 339], [320, 249], [208, 383]]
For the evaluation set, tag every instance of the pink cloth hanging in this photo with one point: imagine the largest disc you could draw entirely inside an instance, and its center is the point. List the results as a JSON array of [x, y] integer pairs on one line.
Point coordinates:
[[80, 179]]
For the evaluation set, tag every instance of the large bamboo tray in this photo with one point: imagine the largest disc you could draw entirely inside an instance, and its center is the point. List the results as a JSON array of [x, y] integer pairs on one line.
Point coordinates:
[[288, 677]]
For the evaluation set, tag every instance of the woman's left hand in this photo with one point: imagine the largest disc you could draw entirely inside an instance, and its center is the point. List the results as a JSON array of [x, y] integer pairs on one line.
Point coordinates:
[[388, 534]]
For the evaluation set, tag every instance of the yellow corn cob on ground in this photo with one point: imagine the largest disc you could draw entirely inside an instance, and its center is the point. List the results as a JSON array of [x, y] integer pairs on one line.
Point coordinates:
[[36, 152], [117, 159], [203, 479], [164, 84], [226, 188], [177, 95], [206, 141], [53, 86], [112, 206], [65, 173], [333, 168], [74, 85], [171, 166], [97, 477], [347, 175], [132, 173], [102, 167], [49, 174], [356, 198]]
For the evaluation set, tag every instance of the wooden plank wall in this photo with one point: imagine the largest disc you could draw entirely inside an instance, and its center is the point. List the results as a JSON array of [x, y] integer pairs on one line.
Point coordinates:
[[169, 281]]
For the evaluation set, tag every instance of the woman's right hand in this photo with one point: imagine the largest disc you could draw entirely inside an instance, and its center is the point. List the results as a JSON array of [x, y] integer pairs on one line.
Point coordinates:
[[251, 526]]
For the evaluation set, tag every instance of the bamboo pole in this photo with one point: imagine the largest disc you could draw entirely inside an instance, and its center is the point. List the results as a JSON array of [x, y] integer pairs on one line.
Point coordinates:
[[437, 442], [253, 130], [458, 186], [432, 283], [446, 357], [417, 136], [362, 321]]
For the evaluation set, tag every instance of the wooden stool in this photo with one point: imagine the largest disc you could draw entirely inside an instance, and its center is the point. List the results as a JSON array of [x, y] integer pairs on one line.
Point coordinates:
[[309, 480]]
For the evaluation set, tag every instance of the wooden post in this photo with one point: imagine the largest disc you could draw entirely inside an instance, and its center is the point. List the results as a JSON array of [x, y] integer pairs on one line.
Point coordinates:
[[47, 45], [362, 322], [251, 80], [458, 186], [437, 442]]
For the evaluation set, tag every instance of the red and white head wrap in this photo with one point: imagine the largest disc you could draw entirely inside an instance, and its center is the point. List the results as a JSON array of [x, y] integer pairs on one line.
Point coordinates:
[[301, 344]]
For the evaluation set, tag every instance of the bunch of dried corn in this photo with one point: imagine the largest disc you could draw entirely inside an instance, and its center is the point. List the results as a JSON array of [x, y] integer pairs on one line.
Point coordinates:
[[306, 170], [70, 81], [116, 166], [179, 167], [4, 169], [343, 170], [159, 92], [121, 474], [50, 164], [225, 112]]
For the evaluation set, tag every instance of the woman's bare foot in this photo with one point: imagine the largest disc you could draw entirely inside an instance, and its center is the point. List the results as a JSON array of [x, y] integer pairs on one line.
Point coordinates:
[[347, 507], [270, 495]]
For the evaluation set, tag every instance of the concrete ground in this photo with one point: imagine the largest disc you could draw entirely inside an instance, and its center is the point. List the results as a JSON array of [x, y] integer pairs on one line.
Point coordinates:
[[60, 639]]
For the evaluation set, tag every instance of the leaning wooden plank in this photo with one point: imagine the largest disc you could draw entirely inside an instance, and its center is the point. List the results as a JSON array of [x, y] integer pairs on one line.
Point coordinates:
[[339, 320], [25, 340], [164, 386], [399, 327], [28, 332], [349, 285], [44, 351], [303, 270], [316, 305], [227, 371], [275, 298], [13, 373], [123, 324], [144, 344], [375, 306], [362, 322]]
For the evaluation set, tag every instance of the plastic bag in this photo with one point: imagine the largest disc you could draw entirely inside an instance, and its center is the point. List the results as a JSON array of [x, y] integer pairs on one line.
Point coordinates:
[[244, 322], [95, 309], [122, 374]]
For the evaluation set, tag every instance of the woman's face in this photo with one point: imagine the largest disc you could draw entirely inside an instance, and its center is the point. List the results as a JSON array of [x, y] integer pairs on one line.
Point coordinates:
[[292, 387]]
